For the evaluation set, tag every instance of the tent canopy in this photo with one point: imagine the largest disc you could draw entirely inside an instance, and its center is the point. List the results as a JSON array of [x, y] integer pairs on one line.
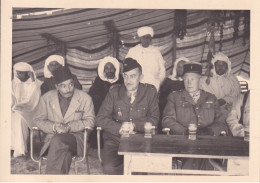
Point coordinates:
[[84, 36]]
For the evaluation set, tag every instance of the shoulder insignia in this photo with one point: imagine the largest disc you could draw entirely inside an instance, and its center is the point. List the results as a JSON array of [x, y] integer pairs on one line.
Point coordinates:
[[149, 85], [114, 86]]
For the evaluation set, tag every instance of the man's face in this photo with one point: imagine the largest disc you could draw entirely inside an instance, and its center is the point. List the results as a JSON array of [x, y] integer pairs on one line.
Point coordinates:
[[109, 70], [221, 67], [146, 40], [53, 65], [66, 88], [132, 79], [191, 82], [22, 75], [179, 68]]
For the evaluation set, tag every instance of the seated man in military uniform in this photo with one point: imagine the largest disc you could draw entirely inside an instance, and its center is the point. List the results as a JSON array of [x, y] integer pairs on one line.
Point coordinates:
[[133, 102], [193, 106]]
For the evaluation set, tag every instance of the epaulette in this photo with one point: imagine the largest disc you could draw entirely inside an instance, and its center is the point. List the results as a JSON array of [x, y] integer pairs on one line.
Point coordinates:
[[149, 85], [177, 91], [114, 86]]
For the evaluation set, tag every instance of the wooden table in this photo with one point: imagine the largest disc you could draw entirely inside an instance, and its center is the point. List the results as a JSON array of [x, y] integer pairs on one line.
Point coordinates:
[[155, 155]]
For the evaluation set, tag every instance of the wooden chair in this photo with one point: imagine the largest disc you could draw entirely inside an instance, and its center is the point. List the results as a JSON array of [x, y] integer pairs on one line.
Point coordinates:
[[76, 159]]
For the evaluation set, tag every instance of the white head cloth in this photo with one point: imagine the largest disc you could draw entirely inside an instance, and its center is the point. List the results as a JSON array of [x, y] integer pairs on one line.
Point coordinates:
[[22, 66], [57, 58], [145, 30], [174, 71], [101, 66], [221, 57]]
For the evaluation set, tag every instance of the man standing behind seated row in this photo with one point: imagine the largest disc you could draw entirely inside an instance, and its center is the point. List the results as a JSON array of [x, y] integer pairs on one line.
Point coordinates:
[[52, 63], [129, 102], [149, 57], [63, 114], [193, 106]]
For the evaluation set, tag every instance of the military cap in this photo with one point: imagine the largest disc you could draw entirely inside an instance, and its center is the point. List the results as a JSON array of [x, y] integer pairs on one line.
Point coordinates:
[[130, 64], [192, 68], [62, 74]]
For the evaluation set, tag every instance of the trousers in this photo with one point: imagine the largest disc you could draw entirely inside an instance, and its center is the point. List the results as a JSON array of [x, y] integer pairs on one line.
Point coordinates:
[[112, 162], [62, 148]]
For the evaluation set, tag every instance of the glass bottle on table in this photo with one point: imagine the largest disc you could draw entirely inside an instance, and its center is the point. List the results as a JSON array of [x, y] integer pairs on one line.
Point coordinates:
[[192, 131], [148, 130]]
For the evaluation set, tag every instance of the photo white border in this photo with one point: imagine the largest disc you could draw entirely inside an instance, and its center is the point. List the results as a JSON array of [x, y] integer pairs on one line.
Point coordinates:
[[6, 59]]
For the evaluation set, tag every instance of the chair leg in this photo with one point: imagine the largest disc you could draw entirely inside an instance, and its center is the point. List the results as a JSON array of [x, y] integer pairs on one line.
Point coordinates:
[[76, 167], [40, 166], [87, 162]]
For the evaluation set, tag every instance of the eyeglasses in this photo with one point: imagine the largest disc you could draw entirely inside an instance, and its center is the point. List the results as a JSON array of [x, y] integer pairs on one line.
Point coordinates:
[[63, 86]]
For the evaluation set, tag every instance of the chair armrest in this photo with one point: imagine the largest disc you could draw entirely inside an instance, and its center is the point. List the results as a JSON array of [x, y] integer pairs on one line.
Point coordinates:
[[98, 141], [31, 142], [35, 128], [166, 130]]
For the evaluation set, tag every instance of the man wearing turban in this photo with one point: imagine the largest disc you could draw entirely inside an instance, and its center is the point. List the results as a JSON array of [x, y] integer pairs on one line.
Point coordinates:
[[223, 84], [108, 75], [149, 57], [51, 64], [25, 97]]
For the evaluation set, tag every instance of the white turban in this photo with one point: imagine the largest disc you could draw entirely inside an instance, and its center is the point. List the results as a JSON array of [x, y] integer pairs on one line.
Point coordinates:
[[102, 64], [221, 57], [57, 58], [145, 30], [174, 71], [22, 66]]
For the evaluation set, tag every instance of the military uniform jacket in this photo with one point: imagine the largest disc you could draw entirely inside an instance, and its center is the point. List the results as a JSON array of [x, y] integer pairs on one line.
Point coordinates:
[[116, 108], [181, 110]]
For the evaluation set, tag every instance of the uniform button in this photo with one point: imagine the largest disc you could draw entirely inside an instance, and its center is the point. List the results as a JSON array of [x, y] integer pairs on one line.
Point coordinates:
[[131, 108], [198, 116], [199, 124], [197, 108]]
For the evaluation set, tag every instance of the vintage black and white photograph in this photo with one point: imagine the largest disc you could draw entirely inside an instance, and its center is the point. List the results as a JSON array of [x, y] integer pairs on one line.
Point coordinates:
[[130, 91]]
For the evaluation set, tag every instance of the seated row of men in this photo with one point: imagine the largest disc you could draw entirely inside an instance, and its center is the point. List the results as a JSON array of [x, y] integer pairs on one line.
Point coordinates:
[[64, 114], [64, 110]]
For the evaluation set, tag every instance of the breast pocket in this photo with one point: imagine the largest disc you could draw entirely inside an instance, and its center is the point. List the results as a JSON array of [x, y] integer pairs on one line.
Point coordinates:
[[78, 115], [183, 111], [119, 113], [207, 110], [141, 111]]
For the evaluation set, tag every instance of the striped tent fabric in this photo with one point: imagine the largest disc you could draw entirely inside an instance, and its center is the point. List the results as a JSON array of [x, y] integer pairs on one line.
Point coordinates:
[[88, 40]]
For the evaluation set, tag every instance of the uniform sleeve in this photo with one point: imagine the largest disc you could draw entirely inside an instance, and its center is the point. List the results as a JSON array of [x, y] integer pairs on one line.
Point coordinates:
[[235, 127], [219, 123], [104, 118], [152, 113], [87, 119], [41, 117], [169, 117]]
